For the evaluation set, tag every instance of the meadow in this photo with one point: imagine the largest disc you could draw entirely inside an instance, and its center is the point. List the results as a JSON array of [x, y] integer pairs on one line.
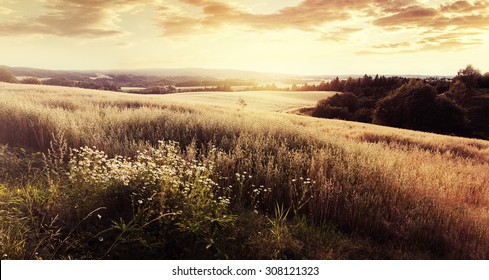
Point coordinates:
[[104, 175]]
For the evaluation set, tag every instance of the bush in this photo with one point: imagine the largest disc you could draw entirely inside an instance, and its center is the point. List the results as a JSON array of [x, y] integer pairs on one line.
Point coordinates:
[[31, 81], [469, 76], [339, 106], [458, 92], [150, 172], [363, 115], [450, 117], [156, 189], [7, 76], [417, 106], [60, 82], [330, 112], [346, 99], [158, 90]]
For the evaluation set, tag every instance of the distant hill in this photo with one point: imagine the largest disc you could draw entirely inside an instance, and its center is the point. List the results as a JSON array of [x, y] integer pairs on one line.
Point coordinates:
[[45, 73], [186, 74], [202, 73]]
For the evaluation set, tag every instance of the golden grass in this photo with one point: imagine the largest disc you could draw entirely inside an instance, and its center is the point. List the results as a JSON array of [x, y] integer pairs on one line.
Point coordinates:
[[269, 101], [416, 190]]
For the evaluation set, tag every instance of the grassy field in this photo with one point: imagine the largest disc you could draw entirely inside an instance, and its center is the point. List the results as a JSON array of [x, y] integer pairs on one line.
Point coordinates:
[[269, 101], [90, 174]]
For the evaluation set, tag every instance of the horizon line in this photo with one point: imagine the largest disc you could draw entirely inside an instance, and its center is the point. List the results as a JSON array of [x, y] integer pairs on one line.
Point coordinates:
[[107, 70]]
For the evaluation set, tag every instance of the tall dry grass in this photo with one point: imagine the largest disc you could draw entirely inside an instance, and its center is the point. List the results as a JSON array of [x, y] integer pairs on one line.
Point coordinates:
[[411, 190]]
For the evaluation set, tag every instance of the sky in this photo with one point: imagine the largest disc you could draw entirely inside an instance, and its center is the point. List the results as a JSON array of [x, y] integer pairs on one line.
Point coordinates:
[[283, 36]]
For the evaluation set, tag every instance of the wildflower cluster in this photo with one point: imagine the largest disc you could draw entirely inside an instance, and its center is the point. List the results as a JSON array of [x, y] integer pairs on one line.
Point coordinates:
[[242, 179], [255, 196], [158, 177], [199, 200], [258, 195], [301, 192], [92, 167]]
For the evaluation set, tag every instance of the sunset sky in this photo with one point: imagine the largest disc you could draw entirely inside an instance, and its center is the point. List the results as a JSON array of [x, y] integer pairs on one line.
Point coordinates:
[[284, 36]]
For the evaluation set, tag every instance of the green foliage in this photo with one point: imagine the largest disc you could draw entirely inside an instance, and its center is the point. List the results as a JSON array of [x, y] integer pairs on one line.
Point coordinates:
[[60, 82], [469, 76], [417, 106], [159, 183], [339, 106], [344, 106], [158, 90], [155, 202], [279, 228], [31, 81], [458, 92], [27, 230]]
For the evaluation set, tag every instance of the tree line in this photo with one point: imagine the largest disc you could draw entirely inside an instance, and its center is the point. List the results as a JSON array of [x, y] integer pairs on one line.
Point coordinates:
[[438, 105]]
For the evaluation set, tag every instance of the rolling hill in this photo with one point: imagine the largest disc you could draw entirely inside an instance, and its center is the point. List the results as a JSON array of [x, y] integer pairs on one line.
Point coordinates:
[[229, 175]]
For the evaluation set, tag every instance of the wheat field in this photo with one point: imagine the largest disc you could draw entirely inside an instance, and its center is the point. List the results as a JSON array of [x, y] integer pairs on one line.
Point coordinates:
[[305, 187]]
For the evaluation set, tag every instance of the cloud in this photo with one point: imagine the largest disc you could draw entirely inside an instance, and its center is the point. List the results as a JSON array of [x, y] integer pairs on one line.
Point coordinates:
[[458, 15], [464, 6], [450, 41], [426, 20], [315, 16], [308, 15], [342, 34], [332, 21], [392, 6], [5, 11], [429, 42], [414, 15], [72, 18], [450, 26], [393, 45], [125, 44]]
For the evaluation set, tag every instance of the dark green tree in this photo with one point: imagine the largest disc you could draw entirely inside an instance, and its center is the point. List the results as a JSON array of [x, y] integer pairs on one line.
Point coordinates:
[[417, 106], [458, 92], [339, 106], [469, 76]]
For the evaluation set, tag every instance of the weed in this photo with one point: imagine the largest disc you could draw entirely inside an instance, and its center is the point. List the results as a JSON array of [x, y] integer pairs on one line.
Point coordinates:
[[279, 228]]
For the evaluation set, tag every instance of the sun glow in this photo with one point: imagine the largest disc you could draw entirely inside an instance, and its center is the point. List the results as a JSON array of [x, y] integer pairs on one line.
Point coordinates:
[[301, 37]]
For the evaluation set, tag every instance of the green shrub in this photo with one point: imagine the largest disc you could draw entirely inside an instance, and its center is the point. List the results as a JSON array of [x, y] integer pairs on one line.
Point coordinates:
[[161, 188], [339, 106], [31, 81], [417, 106]]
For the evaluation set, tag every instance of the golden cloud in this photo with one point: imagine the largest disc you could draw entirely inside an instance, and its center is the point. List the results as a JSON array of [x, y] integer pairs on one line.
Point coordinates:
[[464, 6], [430, 42], [333, 20], [342, 34], [459, 15], [315, 15], [5, 11], [72, 18], [414, 15], [451, 26], [308, 15]]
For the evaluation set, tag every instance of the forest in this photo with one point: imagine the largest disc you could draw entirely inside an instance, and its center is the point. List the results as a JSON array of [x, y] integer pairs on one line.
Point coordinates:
[[458, 106]]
